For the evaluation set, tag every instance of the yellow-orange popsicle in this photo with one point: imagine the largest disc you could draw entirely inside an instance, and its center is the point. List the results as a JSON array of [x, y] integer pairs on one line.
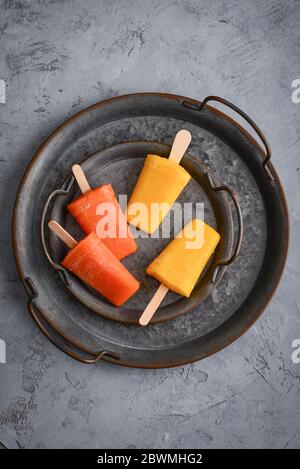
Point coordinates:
[[161, 181], [181, 263]]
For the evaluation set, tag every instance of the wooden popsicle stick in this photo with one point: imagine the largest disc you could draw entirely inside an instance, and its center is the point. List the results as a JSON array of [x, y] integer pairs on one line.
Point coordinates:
[[180, 145], [62, 234], [153, 305], [80, 178]]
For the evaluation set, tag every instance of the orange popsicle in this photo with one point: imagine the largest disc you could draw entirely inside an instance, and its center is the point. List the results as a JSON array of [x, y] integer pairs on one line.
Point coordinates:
[[96, 265], [95, 204]]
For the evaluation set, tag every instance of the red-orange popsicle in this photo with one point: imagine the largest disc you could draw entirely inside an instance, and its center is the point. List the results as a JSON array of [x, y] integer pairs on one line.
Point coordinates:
[[120, 241], [96, 265]]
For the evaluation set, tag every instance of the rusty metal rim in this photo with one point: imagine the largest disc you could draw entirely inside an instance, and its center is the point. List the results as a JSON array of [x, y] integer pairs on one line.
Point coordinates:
[[252, 140]]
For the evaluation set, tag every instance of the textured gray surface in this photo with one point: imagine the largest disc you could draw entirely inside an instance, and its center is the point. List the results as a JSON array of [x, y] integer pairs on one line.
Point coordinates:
[[57, 58]]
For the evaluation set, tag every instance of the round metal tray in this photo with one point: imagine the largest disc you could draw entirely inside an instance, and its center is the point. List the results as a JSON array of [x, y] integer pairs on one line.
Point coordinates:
[[246, 287], [121, 165]]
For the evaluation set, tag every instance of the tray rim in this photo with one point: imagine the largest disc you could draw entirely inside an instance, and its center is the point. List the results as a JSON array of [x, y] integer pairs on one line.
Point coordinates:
[[250, 138]]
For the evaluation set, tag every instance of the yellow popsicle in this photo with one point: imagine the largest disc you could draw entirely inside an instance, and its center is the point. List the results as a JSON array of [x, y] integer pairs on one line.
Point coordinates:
[[159, 185], [181, 263]]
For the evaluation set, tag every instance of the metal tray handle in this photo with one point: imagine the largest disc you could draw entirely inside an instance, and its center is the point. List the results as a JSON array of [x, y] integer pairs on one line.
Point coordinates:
[[57, 192], [268, 151], [41, 324], [236, 250]]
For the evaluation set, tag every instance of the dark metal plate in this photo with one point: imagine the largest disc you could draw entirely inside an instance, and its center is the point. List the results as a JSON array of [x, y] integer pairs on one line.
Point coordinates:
[[246, 287], [121, 165]]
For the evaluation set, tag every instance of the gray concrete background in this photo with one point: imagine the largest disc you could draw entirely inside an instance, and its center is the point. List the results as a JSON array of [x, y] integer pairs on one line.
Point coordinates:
[[58, 57]]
